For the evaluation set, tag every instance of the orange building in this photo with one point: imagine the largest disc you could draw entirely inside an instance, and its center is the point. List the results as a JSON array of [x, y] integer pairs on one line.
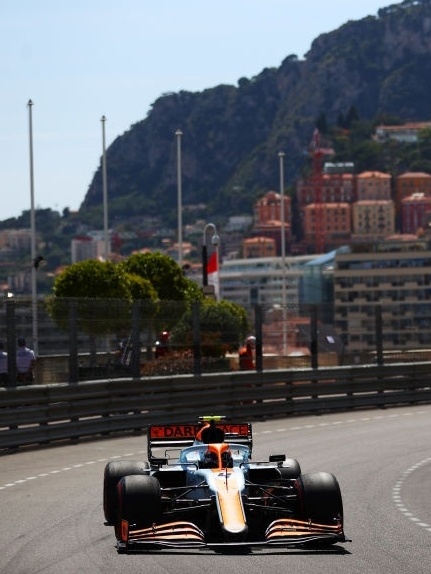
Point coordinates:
[[409, 183], [268, 208], [335, 223], [258, 247], [336, 188], [268, 222]]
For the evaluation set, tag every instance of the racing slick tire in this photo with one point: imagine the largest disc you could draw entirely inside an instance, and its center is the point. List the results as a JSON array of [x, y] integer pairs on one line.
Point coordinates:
[[319, 498], [139, 500], [114, 471], [290, 469]]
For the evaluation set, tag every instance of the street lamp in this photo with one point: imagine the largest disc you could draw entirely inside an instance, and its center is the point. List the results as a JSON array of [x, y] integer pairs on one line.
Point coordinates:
[[179, 134], [283, 250], [33, 234], [215, 240], [105, 191]]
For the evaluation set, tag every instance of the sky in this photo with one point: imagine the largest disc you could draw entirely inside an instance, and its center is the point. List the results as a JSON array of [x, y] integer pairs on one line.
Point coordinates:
[[83, 59]]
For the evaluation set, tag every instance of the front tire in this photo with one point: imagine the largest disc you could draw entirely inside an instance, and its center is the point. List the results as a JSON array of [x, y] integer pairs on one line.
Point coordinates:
[[114, 471], [319, 498], [290, 469], [139, 500]]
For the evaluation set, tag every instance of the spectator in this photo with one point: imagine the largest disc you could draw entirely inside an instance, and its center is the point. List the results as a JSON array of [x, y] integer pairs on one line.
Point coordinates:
[[4, 379], [246, 354], [25, 362], [162, 344]]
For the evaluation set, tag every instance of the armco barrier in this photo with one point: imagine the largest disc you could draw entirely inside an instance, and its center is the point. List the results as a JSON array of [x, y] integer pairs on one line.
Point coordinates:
[[35, 415]]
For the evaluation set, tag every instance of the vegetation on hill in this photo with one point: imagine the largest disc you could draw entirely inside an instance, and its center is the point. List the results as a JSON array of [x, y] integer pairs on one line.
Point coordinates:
[[380, 66], [367, 72]]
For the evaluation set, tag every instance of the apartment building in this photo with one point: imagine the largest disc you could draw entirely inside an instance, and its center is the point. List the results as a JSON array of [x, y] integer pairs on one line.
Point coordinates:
[[396, 277], [333, 220], [415, 212], [409, 183], [258, 247], [337, 187], [373, 185], [268, 223], [268, 208], [16, 239], [373, 220]]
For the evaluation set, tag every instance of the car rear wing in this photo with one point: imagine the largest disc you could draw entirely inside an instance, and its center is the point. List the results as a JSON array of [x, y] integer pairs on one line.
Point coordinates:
[[178, 436]]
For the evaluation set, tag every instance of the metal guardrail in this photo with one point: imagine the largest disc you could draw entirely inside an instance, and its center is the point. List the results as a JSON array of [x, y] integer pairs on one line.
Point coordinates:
[[39, 414]]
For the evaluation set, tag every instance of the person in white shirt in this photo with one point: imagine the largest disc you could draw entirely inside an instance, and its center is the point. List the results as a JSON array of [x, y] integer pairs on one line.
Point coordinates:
[[25, 362], [4, 379]]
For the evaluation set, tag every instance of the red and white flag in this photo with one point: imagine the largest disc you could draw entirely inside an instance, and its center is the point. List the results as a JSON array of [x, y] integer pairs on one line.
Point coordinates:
[[213, 273]]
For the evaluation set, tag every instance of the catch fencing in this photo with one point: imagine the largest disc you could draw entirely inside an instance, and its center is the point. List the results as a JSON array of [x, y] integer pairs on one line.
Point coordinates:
[[42, 414], [87, 339]]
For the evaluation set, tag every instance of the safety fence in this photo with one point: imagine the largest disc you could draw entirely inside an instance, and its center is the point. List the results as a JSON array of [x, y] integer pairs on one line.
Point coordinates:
[[86, 339], [42, 414]]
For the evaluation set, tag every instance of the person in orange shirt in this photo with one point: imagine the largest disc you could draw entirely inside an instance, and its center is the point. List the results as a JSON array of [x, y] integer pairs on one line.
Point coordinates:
[[247, 354]]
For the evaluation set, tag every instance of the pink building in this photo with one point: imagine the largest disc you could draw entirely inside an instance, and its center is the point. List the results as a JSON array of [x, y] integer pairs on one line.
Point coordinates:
[[415, 211]]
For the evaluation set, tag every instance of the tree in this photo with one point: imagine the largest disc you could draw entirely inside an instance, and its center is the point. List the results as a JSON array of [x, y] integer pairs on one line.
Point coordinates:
[[175, 290], [163, 273], [101, 293], [223, 325]]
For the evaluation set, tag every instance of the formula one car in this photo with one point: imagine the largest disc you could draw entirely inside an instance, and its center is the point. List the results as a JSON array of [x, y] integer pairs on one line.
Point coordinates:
[[200, 488]]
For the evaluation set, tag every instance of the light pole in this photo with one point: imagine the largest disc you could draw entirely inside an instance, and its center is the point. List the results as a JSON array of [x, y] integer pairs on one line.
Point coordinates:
[[33, 234], [178, 135], [105, 192], [215, 240], [283, 250]]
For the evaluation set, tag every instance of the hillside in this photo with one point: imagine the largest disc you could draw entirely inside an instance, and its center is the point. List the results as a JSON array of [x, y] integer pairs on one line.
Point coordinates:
[[379, 66]]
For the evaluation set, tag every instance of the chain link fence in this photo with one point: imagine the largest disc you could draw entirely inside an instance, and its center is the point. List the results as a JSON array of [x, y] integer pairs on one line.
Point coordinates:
[[89, 339]]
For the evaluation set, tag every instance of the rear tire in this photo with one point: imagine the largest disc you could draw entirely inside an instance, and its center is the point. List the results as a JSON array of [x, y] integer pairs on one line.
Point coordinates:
[[319, 498], [114, 471], [139, 500]]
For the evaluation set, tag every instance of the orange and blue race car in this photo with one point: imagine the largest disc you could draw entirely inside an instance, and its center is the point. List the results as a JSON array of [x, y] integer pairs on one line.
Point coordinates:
[[201, 489]]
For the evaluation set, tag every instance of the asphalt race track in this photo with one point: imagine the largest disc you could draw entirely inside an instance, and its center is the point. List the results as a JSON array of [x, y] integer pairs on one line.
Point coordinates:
[[52, 519]]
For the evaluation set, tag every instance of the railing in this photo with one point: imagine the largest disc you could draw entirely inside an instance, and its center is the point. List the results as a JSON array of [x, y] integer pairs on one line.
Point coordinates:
[[43, 414]]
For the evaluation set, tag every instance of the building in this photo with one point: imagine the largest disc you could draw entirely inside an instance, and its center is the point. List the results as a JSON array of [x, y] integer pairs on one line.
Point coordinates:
[[84, 247], [334, 220], [373, 220], [373, 185], [258, 247], [415, 212], [405, 133], [268, 221], [337, 187], [409, 183], [394, 278], [16, 240], [260, 280], [268, 208]]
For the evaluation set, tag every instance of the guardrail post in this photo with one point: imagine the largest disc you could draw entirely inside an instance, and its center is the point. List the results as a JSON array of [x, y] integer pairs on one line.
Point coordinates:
[[197, 353], [73, 343], [135, 362], [11, 341], [379, 334], [314, 347], [258, 335]]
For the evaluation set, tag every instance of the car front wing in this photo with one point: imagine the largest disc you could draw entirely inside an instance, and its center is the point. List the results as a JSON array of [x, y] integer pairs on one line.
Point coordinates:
[[287, 533]]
